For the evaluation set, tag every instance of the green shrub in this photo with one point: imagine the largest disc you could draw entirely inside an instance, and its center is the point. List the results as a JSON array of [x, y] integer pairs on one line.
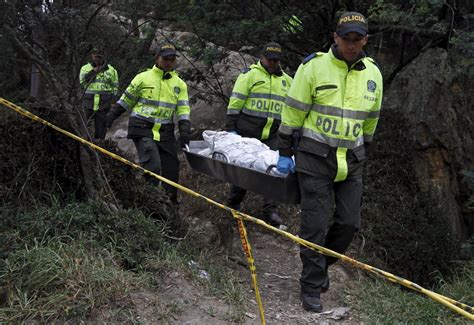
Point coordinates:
[[42, 167], [404, 232]]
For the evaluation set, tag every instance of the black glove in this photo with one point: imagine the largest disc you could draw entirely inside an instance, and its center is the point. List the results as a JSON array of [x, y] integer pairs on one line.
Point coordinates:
[[109, 120], [183, 141], [184, 132], [90, 76], [231, 122], [115, 111]]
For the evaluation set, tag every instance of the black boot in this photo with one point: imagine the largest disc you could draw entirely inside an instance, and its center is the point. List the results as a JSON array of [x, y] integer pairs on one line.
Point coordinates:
[[236, 196], [311, 302], [325, 286], [273, 219]]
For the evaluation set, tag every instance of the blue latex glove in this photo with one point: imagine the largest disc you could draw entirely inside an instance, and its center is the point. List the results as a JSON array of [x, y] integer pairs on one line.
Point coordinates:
[[285, 165], [232, 132]]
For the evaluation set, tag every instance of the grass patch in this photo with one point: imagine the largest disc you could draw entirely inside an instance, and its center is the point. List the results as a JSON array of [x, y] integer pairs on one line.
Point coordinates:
[[224, 284], [52, 281], [130, 233], [381, 302], [81, 262]]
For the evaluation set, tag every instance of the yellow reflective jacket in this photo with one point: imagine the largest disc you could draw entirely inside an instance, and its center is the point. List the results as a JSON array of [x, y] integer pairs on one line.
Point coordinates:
[[100, 87], [256, 102], [334, 105], [155, 97], [104, 82]]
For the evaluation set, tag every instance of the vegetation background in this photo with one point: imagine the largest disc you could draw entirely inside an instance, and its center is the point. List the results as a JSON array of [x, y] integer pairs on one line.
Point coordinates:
[[79, 231]]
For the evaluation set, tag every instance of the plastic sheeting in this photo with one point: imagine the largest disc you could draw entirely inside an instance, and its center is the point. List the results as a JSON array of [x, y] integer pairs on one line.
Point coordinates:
[[235, 149]]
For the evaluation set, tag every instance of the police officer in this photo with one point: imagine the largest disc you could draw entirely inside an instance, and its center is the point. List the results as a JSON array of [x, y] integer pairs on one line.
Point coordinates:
[[254, 111], [100, 82], [334, 104], [156, 97]]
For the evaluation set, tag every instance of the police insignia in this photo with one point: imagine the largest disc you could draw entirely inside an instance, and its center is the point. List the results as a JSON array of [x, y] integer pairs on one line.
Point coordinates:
[[283, 82], [371, 86], [177, 90]]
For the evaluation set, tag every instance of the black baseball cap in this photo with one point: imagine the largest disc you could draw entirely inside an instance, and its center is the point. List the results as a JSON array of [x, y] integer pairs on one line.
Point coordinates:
[[96, 51], [167, 50], [352, 22], [272, 50]]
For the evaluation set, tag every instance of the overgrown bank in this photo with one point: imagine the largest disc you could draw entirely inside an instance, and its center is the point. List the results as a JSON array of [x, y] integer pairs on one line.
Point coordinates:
[[65, 257], [82, 263]]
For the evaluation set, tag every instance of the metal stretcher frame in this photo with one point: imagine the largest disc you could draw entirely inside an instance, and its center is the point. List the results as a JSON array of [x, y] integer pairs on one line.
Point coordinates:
[[280, 189]]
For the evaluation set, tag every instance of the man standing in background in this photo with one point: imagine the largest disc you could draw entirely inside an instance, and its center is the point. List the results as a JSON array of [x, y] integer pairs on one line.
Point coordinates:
[[100, 83]]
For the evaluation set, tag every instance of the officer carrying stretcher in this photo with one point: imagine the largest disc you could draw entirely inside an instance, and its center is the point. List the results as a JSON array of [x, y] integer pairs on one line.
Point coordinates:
[[334, 104], [254, 111]]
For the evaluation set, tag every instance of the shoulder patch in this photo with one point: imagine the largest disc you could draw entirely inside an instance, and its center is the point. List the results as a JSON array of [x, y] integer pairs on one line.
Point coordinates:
[[245, 70], [310, 57]]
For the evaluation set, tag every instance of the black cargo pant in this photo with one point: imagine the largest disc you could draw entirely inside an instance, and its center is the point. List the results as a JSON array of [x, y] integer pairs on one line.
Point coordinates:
[[160, 157], [318, 197], [99, 116], [237, 194]]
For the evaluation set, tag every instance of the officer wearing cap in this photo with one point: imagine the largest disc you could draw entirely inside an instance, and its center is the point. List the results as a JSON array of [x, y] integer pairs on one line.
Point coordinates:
[[254, 111], [100, 82], [334, 105], [156, 98]]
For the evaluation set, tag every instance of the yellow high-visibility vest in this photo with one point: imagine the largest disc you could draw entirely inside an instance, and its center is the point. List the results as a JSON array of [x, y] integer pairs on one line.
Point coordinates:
[[334, 104]]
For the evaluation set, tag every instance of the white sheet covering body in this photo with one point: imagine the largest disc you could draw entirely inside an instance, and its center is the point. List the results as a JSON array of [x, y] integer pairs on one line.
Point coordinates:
[[245, 152]]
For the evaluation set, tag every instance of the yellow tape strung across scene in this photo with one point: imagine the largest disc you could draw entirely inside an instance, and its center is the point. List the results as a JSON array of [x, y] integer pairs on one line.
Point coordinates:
[[253, 270], [463, 309]]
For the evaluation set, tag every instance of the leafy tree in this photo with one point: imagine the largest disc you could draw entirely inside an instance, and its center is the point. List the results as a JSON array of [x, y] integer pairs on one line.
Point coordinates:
[[415, 26]]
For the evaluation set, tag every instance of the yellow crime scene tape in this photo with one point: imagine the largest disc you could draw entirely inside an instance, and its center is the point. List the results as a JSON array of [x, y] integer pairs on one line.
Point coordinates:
[[248, 253], [462, 309]]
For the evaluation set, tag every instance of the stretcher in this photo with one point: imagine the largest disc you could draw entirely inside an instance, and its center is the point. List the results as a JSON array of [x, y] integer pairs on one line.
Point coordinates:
[[280, 189]]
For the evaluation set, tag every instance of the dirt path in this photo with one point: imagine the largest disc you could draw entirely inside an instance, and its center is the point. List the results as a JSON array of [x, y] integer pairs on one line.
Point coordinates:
[[278, 269], [276, 259]]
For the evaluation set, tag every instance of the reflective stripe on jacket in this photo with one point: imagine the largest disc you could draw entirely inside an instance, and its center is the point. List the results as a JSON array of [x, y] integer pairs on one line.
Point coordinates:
[[155, 97], [334, 105], [257, 101]]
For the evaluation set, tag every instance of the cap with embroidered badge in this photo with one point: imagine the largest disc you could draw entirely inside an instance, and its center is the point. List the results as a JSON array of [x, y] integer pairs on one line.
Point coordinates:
[[352, 22], [272, 50], [167, 50]]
